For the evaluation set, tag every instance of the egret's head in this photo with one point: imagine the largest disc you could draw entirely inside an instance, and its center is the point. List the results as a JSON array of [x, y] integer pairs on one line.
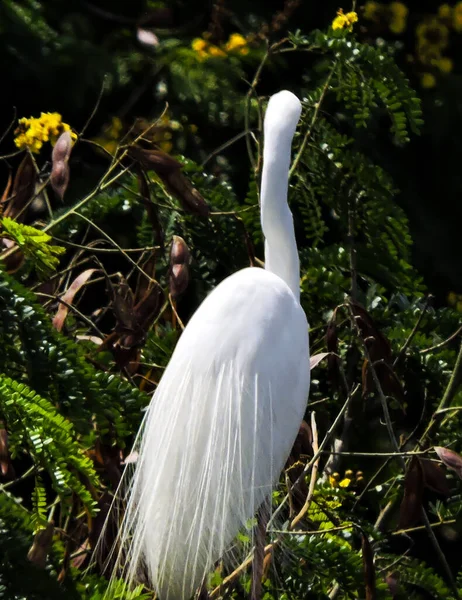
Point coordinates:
[[283, 113]]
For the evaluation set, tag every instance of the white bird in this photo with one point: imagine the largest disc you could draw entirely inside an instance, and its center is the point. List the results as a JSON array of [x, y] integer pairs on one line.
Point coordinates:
[[226, 413]]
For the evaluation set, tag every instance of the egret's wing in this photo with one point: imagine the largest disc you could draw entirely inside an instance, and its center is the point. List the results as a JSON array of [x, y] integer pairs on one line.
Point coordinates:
[[218, 430]]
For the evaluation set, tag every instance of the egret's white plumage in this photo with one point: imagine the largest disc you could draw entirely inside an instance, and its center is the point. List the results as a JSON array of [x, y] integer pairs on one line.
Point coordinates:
[[228, 408]]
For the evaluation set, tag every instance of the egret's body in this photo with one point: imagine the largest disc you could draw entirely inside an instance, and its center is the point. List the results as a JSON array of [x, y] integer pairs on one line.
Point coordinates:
[[228, 408]]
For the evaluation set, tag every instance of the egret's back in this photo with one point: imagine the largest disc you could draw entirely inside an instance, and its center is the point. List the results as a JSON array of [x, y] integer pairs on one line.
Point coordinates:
[[221, 425]]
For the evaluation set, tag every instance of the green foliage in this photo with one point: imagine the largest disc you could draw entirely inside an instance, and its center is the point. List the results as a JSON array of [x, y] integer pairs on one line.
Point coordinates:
[[48, 439], [366, 78], [35, 245], [72, 401]]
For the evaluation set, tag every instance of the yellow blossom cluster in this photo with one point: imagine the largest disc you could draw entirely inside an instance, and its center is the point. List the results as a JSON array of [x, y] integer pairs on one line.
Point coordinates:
[[349, 479], [432, 39], [163, 132], [344, 20], [432, 35], [455, 300], [451, 16], [393, 15], [32, 133], [110, 136], [235, 44]]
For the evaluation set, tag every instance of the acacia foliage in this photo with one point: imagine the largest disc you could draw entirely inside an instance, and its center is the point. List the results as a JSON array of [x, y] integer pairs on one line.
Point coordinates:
[[83, 349]]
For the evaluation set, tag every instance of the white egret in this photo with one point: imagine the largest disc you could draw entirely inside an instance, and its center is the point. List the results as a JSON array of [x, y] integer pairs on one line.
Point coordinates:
[[224, 417]]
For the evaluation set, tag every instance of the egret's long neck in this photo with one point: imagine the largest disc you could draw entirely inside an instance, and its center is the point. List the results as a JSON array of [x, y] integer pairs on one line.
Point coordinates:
[[281, 256]]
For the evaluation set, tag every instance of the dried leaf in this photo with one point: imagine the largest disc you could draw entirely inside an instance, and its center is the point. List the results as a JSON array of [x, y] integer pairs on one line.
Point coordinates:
[[7, 189], [451, 459], [316, 359], [83, 553], [411, 505], [23, 189], [133, 321], [68, 297], [379, 349], [148, 308], [123, 305], [378, 345], [369, 568], [41, 546], [435, 478]]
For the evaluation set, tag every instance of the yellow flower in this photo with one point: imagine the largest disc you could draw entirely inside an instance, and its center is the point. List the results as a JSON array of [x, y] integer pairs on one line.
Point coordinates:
[[216, 51], [452, 298], [397, 25], [352, 17], [445, 64], [32, 133], [457, 17], [399, 12], [372, 11], [432, 39], [344, 21], [339, 22], [428, 80], [333, 480], [237, 42], [344, 483], [199, 44], [166, 146], [445, 11], [399, 9], [193, 128]]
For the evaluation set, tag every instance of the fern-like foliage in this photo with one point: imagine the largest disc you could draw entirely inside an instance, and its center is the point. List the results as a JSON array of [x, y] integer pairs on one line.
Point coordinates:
[[49, 439], [56, 368], [34, 244]]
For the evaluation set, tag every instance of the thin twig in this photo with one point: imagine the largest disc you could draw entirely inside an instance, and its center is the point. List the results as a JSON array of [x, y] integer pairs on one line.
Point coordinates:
[[312, 124], [88, 321], [452, 387], [444, 343], [314, 474], [413, 332]]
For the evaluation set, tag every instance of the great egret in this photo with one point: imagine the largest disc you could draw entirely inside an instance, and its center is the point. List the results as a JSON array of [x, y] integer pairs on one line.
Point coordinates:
[[230, 403]]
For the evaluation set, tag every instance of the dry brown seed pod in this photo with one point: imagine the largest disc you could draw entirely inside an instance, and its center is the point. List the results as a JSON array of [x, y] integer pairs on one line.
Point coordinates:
[[179, 279], [62, 148], [179, 253], [60, 178], [60, 169]]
